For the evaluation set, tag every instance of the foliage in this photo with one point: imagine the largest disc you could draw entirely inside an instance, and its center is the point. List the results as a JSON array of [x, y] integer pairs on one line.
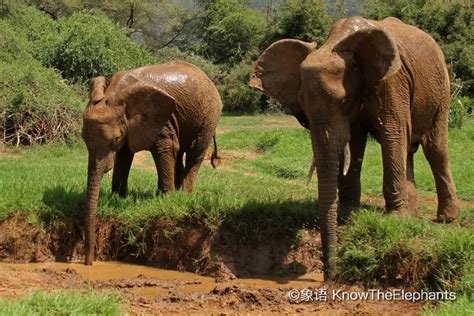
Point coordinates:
[[36, 105], [62, 303], [236, 94], [91, 45], [305, 20], [230, 30], [40, 31]]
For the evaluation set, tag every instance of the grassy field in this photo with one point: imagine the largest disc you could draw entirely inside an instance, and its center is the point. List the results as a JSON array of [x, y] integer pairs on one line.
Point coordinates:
[[259, 189]]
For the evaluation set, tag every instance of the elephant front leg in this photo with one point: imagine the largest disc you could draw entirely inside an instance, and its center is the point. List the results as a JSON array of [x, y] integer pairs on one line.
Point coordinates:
[[194, 159], [349, 185], [123, 163], [394, 159]]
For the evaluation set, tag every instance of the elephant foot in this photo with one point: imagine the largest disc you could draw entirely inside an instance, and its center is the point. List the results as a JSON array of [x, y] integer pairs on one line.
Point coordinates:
[[344, 211], [401, 212], [448, 213]]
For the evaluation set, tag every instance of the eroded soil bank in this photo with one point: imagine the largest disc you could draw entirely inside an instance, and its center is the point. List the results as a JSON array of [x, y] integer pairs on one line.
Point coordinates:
[[235, 276], [218, 252]]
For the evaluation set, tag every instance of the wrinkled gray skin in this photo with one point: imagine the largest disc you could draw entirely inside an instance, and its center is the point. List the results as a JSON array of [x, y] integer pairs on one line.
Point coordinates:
[[380, 77], [169, 109]]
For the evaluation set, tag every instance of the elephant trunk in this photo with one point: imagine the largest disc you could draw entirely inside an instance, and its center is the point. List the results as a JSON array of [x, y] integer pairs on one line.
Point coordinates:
[[327, 161], [94, 178]]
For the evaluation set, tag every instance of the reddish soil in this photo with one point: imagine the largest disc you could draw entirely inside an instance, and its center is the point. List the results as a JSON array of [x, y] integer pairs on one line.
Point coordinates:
[[166, 296]]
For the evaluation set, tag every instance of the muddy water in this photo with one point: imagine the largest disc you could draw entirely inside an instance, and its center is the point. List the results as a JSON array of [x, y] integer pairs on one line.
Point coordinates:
[[111, 270]]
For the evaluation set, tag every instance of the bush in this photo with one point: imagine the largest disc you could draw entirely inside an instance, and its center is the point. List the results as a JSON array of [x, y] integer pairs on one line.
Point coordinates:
[[91, 44], [237, 95], [40, 31], [305, 20], [230, 31], [37, 106]]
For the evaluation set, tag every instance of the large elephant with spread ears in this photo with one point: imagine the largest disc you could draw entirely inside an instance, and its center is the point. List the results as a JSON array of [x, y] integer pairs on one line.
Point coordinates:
[[169, 109], [385, 78]]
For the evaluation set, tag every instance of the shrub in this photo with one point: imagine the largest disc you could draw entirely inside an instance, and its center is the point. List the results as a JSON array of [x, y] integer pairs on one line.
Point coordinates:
[[91, 44], [40, 31], [236, 94], [36, 104]]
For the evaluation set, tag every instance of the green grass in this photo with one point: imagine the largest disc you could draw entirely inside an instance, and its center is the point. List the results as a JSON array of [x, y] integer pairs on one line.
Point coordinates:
[[62, 303], [463, 306], [375, 248]]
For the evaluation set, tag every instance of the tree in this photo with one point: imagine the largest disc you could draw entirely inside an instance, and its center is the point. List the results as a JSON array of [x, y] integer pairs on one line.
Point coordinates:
[[299, 19], [230, 30]]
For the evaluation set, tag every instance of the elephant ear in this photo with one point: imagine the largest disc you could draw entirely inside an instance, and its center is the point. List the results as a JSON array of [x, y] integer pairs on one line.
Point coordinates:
[[277, 71], [97, 88], [146, 109], [146, 103], [375, 52]]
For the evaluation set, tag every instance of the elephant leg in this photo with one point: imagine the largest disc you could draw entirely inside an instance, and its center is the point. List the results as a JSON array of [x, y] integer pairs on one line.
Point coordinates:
[[394, 142], [349, 184], [123, 162], [194, 158], [435, 147], [179, 171], [411, 185], [165, 161]]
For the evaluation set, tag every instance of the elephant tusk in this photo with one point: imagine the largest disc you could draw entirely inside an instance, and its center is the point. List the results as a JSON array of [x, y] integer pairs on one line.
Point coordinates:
[[312, 168], [347, 158]]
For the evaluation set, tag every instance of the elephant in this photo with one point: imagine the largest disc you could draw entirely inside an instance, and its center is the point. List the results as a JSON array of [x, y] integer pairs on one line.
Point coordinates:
[[383, 78], [169, 109]]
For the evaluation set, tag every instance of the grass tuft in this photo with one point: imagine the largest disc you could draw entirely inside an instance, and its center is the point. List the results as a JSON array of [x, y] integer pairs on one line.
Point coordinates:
[[62, 303]]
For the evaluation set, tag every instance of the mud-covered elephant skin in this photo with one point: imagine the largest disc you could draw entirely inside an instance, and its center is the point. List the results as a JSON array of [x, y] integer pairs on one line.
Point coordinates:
[[386, 78], [169, 109]]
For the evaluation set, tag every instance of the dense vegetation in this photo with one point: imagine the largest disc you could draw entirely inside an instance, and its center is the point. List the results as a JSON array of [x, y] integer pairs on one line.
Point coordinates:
[[49, 49]]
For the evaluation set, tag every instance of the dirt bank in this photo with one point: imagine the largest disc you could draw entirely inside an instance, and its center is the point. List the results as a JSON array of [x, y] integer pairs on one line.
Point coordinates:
[[218, 252]]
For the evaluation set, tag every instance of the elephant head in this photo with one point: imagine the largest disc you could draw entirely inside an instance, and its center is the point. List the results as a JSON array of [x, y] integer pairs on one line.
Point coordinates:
[[323, 89], [113, 117]]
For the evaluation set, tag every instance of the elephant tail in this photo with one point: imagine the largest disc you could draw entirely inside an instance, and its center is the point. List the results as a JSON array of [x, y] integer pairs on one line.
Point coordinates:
[[214, 156]]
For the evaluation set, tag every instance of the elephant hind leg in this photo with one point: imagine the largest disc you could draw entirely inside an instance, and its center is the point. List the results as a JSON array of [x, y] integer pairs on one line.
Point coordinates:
[[411, 185], [179, 171], [194, 159], [435, 147], [123, 163]]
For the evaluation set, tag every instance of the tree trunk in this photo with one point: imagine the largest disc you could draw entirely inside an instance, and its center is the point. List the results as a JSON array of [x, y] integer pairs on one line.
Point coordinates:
[[94, 177]]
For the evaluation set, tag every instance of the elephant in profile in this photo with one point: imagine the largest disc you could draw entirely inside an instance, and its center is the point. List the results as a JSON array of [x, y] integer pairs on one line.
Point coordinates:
[[169, 109], [385, 78]]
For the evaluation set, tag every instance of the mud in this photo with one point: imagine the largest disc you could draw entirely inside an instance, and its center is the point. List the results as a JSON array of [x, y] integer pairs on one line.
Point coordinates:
[[147, 290], [163, 243]]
